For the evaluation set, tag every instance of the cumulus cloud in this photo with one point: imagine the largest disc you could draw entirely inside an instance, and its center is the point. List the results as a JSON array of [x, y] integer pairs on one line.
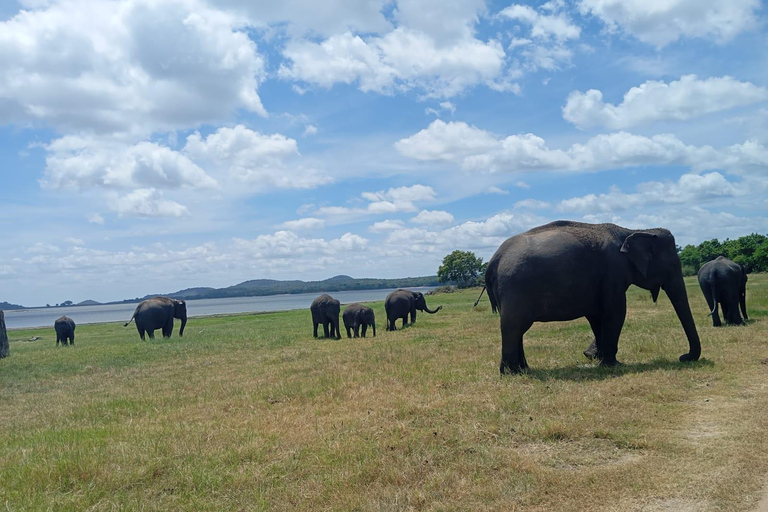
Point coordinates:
[[386, 226], [79, 163], [433, 218], [475, 149], [261, 161], [653, 100], [306, 224], [286, 244], [129, 72], [661, 23], [401, 60], [543, 26], [147, 203]]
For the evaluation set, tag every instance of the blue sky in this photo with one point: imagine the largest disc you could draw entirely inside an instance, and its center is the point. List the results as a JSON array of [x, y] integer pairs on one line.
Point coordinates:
[[152, 145]]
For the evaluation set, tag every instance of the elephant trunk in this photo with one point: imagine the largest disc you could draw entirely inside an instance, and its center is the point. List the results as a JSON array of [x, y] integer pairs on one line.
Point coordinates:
[[432, 311], [183, 324], [679, 298]]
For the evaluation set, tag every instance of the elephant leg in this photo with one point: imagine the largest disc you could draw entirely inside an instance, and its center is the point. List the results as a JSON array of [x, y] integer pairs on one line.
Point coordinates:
[[405, 320], [391, 324], [72, 339], [512, 352], [315, 330], [357, 330], [349, 331], [591, 352], [413, 316], [151, 333], [611, 324], [365, 328], [141, 332], [325, 329]]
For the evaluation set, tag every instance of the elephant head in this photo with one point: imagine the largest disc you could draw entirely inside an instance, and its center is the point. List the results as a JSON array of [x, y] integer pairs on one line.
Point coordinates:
[[653, 256], [180, 312], [420, 303]]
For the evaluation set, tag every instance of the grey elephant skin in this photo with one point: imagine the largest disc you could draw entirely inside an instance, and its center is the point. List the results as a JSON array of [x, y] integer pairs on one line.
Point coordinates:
[[356, 315], [724, 282], [325, 311], [158, 313], [566, 270], [65, 330], [4, 346], [401, 303]]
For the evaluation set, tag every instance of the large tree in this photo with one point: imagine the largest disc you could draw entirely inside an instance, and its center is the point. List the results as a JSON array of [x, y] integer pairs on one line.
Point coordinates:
[[460, 267]]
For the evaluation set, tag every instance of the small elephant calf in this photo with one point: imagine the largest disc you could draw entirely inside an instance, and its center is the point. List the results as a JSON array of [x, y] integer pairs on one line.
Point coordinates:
[[356, 315]]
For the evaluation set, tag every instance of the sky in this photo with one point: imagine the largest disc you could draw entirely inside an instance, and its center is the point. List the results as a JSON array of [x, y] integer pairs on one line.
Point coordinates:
[[147, 146]]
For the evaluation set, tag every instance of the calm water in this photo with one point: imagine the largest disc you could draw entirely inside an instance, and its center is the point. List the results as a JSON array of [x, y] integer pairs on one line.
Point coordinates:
[[43, 317]]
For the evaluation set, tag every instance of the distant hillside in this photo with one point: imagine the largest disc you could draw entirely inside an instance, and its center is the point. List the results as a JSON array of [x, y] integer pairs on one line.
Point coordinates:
[[88, 302], [260, 287], [7, 306]]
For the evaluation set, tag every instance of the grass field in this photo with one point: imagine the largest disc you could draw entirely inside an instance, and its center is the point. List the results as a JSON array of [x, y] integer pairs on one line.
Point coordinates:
[[249, 412]]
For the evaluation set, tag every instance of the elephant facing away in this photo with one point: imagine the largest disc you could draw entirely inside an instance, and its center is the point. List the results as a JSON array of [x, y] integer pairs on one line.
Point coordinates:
[[158, 313], [325, 311], [65, 330], [356, 315], [566, 270], [401, 303], [724, 282]]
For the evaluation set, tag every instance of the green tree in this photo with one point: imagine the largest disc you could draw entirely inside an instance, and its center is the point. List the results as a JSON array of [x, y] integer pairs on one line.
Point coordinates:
[[460, 267]]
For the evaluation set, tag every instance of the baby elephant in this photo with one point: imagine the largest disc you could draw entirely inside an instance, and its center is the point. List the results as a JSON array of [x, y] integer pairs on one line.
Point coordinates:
[[356, 315], [65, 330]]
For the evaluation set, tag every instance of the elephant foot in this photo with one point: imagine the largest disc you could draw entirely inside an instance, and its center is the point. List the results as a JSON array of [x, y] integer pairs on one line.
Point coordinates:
[[610, 362], [686, 358], [512, 368]]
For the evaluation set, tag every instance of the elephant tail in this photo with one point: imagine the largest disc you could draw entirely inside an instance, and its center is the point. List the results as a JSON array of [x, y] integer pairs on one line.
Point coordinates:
[[478, 297], [714, 299], [129, 321]]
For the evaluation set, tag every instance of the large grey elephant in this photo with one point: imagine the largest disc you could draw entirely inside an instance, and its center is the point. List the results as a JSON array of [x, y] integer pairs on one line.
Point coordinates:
[[356, 315], [65, 330], [566, 270], [158, 313], [401, 303], [724, 282], [325, 310]]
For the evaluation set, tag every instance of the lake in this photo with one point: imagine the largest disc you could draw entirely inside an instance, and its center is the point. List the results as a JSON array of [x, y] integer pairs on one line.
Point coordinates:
[[44, 317]]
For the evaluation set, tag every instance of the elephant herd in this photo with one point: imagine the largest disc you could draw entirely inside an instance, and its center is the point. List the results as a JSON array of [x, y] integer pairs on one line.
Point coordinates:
[[399, 305], [559, 271]]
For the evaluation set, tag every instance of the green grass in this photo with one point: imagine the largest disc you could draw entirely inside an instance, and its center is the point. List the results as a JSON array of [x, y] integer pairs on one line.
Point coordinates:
[[249, 412]]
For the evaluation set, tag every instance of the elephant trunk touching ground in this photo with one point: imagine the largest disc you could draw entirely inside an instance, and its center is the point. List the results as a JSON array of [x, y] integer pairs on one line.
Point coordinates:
[[679, 299]]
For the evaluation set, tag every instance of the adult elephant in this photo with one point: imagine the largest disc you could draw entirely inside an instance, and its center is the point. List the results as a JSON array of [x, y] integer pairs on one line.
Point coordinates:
[[325, 310], [356, 315], [566, 270], [65, 330], [158, 313], [401, 303], [724, 282]]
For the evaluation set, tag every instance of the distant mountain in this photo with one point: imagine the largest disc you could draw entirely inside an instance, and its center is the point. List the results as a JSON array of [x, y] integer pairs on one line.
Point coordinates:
[[7, 306], [261, 287], [88, 303]]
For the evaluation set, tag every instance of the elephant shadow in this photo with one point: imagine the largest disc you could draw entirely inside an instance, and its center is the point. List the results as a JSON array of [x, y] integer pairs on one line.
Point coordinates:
[[587, 372]]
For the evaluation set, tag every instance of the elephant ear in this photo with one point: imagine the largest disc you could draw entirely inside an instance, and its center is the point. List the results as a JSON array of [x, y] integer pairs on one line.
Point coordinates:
[[639, 250]]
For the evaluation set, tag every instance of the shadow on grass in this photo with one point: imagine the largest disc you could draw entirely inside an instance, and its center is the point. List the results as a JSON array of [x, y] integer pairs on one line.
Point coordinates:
[[589, 372]]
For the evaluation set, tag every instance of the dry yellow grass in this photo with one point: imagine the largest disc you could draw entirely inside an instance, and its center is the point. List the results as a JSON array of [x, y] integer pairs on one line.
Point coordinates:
[[252, 413]]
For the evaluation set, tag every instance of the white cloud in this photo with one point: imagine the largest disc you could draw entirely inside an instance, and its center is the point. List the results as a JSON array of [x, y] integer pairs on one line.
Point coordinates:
[[306, 224], [43, 248], [690, 189], [286, 244], [249, 157], [662, 22], [96, 219], [386, 226], [79, 163], [433, 218], [401, 60], [131, 70], [652, 101], [496, 190], [478, 150], [543, 26], [147, 203], [310, 129]]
